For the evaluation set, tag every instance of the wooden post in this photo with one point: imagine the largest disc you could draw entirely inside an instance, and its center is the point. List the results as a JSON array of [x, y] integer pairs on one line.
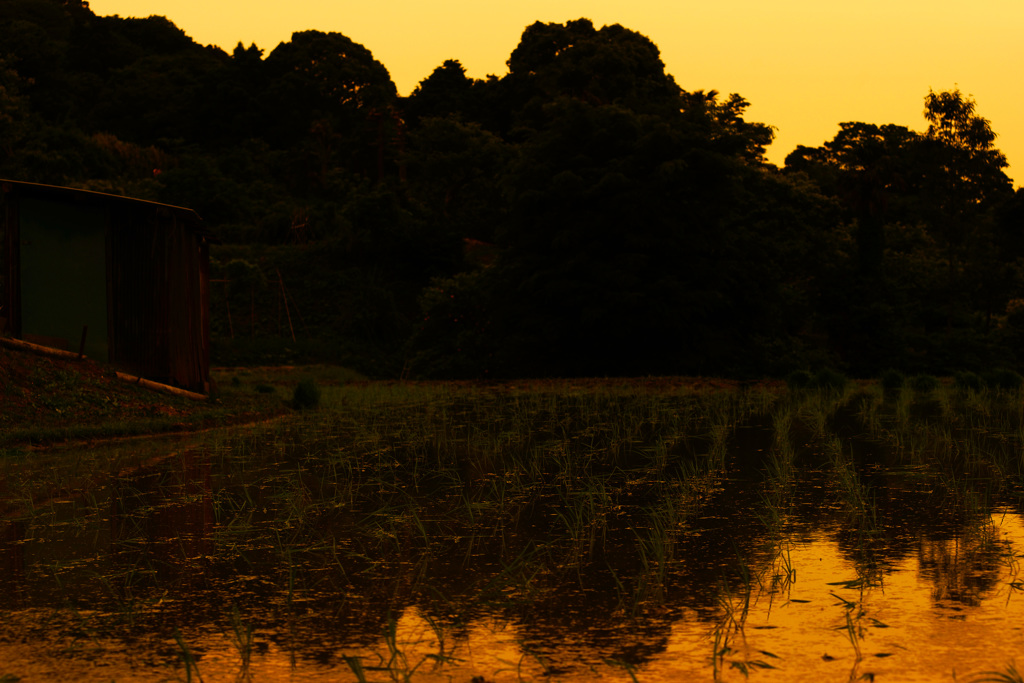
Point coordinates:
[[81, 344], [284, 297], [227, 302]]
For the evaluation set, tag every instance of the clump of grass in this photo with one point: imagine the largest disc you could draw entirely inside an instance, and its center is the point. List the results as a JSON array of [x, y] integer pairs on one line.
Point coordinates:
[[924, 384], [828, 378], [967, 381], [265, 389], [892, 380], [799, 379], [306, 396], [1003, 379]]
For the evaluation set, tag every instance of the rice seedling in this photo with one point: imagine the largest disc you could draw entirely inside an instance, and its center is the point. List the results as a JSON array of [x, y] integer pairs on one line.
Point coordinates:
[[1012, 561], [398, 664], [191, 665], [784, 573], [858, 498], [853, 627], [781, 456], [620, 664], [1009, 675], [729, 643], [719, 433], [356, 666], [582, 518], [654, 545], [241, 636]]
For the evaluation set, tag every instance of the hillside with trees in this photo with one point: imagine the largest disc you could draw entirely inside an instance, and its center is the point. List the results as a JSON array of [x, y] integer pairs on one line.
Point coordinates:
[[583, 214]]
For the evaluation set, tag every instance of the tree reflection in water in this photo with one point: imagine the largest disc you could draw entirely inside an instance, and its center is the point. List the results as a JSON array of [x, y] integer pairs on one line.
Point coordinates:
[[575, 535]]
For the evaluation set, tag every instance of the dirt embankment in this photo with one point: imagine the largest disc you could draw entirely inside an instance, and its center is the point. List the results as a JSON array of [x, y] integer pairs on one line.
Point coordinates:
[[45, 399]]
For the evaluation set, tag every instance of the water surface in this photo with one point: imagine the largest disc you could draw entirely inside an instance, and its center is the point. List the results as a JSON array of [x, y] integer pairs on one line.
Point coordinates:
[[558, 545]]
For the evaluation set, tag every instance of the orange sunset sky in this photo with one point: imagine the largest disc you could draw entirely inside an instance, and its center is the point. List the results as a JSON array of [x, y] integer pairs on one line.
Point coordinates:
[[804, 65]]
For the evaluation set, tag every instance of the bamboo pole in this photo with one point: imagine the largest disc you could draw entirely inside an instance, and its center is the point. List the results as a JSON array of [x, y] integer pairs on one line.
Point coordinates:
[[157, 386], [298, 312], [21, 345]]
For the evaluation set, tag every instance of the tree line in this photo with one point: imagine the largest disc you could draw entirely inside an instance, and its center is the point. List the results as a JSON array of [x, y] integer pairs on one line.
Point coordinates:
[[581, 215]]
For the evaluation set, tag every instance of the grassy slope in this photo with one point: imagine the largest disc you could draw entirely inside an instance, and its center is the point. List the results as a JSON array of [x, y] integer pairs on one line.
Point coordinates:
[[46, 400]]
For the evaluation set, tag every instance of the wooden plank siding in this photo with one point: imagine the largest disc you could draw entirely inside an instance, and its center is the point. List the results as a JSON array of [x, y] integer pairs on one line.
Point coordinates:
[[11, 302], [157, 291]]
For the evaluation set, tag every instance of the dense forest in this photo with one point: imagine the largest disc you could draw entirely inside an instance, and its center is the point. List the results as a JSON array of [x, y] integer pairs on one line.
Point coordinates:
[[581, 215]]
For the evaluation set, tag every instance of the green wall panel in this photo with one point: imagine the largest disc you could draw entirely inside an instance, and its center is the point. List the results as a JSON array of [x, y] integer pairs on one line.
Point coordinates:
[[64, 273]]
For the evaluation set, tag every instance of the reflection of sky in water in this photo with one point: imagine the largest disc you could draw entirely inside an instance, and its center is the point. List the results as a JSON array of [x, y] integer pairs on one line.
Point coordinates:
[[905, 633], [939, 600], [922, 639], [936, 613]]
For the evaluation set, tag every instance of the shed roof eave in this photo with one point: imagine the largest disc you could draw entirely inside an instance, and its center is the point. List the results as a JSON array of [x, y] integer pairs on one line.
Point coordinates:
[[41, 189]]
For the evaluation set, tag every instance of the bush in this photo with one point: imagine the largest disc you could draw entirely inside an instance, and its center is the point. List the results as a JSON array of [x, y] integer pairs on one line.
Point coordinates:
[[1003, 379], [306, 396], [892, 380], [924, 384], [799, 379], [830, 379], [967, 381]]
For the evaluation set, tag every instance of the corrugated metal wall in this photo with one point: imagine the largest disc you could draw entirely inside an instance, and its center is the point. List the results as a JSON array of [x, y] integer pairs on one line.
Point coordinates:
[[156, 321]]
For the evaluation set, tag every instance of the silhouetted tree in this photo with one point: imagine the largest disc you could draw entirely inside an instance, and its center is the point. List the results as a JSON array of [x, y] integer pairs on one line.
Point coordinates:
[[323, 77], [926, 275], [964, 177], [455, 172], [637, 240], [446, 91]]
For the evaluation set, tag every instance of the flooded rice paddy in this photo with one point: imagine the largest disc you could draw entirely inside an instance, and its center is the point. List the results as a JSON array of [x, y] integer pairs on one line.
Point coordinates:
[[555, 532]]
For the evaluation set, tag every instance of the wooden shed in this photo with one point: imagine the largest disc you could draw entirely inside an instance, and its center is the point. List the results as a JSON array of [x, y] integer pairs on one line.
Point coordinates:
[[130, 277]]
